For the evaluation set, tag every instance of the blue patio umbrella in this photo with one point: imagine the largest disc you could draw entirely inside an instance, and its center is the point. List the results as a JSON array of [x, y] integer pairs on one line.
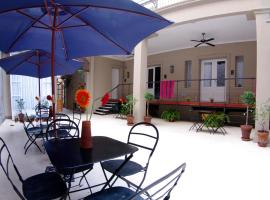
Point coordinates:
[[76, 28], [37, 63]]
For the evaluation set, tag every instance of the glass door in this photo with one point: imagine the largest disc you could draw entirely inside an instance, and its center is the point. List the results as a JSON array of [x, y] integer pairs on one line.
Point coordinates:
[[213, 86], [153, 80]]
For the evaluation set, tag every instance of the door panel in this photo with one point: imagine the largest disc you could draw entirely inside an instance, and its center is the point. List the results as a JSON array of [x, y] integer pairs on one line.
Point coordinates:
[[115, 82], [213, 85], [153, 80]]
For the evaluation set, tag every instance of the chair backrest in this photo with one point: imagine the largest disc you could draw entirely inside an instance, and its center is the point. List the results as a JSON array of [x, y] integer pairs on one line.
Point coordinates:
[[58, 116], [40, 109], [62, 129], [144, 136], [8, 166], [162, 188]]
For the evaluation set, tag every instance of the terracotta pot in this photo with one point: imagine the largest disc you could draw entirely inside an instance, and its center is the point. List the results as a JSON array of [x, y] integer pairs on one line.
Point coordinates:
[[21, 117], [262, 138], [130, 120], [147, 119], [86, 137], [246, 130]]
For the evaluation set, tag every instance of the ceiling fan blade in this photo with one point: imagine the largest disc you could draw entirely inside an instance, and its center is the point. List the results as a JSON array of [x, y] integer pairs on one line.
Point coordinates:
[[195, 40], [198, 44], [210, 39], [210, 44]]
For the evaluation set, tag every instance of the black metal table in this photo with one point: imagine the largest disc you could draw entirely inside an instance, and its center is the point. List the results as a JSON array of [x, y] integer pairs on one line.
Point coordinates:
[[68, 158]]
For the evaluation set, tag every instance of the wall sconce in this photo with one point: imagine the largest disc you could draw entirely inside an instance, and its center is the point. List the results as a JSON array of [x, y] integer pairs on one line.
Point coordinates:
[[172, 69]]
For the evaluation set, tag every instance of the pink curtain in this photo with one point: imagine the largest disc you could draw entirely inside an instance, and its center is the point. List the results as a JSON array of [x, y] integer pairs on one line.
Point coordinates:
[[167, 89]]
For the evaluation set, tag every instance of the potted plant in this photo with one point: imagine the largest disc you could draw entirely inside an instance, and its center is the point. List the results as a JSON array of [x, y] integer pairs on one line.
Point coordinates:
[[262, 115], [148, 97], [170, 115], [129, 104], [216, 120], [248, 98], [20, 107]]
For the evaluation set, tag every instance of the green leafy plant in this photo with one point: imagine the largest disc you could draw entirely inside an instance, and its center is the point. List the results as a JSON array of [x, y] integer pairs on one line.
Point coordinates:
[[170, 115], [130, 103], [262, 115], [216, 120], [20, 104], [148, 97], [248, 98]]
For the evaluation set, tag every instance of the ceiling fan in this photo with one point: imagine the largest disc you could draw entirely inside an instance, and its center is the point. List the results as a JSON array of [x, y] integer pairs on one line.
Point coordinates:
[[204, 41]]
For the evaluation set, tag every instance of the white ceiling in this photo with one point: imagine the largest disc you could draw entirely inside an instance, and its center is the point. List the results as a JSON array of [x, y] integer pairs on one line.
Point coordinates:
[[224, 29]]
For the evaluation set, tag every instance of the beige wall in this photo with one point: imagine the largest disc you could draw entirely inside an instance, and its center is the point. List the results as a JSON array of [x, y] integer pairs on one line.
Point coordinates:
[[102, 79], [178, 58], [103, 74]]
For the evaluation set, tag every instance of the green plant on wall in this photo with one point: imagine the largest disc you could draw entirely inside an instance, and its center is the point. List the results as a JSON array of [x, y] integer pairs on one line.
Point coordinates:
[[170, 115], [148, 97], [248, 98]]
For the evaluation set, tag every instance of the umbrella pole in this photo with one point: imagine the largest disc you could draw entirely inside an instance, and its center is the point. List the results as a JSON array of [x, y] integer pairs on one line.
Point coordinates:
[[39, 105], [52, 64]]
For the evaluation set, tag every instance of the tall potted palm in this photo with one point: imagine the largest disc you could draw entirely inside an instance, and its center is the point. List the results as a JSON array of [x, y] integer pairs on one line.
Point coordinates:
[[148, 97], [248, 98]]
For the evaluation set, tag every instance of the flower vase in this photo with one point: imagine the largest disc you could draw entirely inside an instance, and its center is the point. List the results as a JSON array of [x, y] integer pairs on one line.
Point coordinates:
[[86, 137]]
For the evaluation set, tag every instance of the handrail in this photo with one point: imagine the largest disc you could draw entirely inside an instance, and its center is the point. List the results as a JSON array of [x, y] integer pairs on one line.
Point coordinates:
[[109, 91]]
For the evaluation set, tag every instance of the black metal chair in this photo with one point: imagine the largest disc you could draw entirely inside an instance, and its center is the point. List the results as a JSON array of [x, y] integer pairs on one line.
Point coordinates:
[[43, 186], [160, 189], [33, 133], [63, 129], [144, 136]]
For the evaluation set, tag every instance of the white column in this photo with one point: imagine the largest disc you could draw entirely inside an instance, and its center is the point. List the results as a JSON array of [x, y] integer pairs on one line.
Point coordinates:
[[6, 92], [263, 62], [89, 73], [139, 80]]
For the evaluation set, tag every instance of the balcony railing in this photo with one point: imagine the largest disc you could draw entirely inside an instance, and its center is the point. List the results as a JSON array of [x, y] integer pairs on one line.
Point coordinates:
[[155, 4], [226, 90]]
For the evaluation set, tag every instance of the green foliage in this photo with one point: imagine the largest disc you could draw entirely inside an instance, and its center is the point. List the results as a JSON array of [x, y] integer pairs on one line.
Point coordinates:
[[262, 115], [124, 110], [170, 115], [127, 107], [248, 98], [148, 96], [20, 105], [216, 120]]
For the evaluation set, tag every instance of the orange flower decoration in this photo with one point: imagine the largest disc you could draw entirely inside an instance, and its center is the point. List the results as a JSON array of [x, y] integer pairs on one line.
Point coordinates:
[[82, 98]]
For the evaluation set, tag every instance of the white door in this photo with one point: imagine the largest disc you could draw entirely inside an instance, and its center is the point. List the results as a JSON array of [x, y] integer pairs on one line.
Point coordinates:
[[153, 80], [213, 75], [115, 82]]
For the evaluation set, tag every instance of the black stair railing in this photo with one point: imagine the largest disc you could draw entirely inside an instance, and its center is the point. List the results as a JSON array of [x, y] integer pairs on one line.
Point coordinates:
[[123, 89]]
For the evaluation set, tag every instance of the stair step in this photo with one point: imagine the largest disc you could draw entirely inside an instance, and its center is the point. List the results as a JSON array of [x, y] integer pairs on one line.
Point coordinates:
[[100, 113], [102, 110]]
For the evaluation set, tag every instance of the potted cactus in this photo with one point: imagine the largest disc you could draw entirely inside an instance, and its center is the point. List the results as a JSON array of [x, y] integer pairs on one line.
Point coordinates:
[[148, 97], [248, 98]]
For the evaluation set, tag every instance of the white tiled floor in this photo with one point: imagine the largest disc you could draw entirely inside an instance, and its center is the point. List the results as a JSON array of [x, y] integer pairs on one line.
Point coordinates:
[[218, 167]]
